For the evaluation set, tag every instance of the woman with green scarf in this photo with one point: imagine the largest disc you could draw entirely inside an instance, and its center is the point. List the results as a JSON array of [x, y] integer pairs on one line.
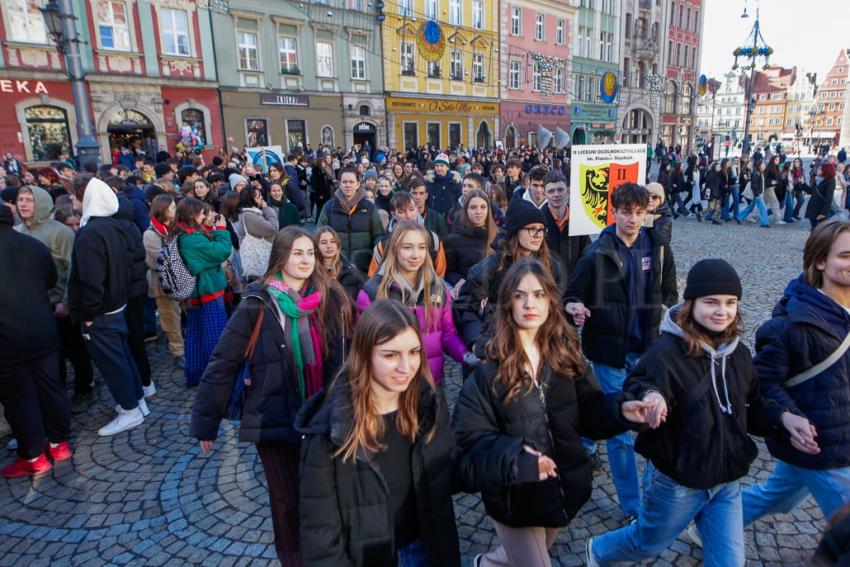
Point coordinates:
[[298, 319], [287, 211]]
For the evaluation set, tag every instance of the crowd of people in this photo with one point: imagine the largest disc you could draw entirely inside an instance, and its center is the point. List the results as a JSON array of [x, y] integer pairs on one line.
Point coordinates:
[[316, 302]]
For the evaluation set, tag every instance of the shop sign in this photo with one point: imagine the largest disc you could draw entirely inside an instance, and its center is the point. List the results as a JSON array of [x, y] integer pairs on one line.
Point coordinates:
[[441, 106], [364, 128], [284, 100], [22, 87], [593, 113], [545, 109]]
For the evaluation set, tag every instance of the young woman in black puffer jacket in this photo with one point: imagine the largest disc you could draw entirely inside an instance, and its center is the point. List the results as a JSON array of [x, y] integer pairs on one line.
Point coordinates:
[[471, 238], [520, 418]]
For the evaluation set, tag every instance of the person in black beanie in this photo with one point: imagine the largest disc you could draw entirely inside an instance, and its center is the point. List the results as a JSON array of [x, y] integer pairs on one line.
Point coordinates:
[[702, 387], [9, 197], [34, 401], [525, 235]]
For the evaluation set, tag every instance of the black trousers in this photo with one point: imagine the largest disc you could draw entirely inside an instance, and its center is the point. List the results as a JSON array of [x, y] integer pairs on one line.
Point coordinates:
[[280, 463], [73, 348], [134, 314], [35, 404], [106, 340]]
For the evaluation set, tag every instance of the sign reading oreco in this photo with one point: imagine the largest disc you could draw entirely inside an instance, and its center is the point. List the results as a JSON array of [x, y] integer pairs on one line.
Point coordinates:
[[551, 110]]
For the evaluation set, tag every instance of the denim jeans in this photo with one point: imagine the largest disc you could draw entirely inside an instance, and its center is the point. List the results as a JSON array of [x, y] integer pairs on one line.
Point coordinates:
[[758, 202], [668, 508], [789, 485], [621, 448], [789, 206], [412, 555], [735, 191]]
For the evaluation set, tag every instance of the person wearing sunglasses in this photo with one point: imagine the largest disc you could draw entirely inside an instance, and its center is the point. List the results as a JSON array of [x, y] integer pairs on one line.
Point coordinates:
[[658, 215]]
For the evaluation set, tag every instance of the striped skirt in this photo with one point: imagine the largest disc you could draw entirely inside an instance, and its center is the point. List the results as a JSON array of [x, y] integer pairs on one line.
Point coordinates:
[[204, 324]]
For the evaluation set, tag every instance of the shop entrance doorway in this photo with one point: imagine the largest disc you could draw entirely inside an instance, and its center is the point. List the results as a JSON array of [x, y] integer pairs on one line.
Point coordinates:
[[132, 129]]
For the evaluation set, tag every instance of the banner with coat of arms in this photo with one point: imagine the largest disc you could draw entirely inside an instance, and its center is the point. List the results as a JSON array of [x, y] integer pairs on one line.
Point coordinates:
[[431, 41], [595, 171]]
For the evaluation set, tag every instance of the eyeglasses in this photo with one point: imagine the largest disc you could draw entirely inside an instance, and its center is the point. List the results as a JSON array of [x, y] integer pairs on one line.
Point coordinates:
[[535, 232]]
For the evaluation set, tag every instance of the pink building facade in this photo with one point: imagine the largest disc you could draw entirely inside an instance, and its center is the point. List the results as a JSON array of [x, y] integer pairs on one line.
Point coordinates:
[[536, 60]]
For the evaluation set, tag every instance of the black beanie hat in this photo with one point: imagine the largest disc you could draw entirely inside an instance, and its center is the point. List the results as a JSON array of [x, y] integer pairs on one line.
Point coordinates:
[[6, 216], [712, 277], [9, 195], [522, 213]]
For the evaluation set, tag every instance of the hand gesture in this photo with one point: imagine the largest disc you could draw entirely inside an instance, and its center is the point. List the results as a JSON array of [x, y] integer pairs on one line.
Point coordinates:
[[206, 446], [802, 432], [545, 466], [657, 413], [634, 411], [578, 312]]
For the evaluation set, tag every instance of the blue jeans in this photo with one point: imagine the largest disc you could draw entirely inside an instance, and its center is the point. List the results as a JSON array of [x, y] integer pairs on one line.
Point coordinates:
[[789, 485], [668, 508], [735, 191], [412, 555], [758, 202], [789, 206], [621, 448]]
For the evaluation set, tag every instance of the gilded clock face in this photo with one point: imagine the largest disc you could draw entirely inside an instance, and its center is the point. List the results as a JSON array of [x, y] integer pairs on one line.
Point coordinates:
[[431, 41]]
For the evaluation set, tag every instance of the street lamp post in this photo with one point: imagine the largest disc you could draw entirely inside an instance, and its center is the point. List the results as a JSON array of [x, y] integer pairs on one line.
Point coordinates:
[[61, 23], [755, 48]]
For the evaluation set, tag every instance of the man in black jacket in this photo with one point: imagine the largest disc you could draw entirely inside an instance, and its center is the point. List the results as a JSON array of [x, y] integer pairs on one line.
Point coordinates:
[[556, 211], [34, 401], [617, 293], [97, 293]]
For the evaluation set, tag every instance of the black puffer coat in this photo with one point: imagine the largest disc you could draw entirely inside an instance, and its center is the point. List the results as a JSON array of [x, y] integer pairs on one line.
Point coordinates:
[[350, 277], [344, 506], [491, 435], [464, 247], [138, 284], [482, 284], [272, 399]]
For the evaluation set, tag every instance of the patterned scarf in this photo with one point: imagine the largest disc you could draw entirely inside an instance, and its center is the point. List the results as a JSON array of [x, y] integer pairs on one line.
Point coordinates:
[[304, 335]]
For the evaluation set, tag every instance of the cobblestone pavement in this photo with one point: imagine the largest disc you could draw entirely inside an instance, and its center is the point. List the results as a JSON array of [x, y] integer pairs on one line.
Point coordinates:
[[147, 497]]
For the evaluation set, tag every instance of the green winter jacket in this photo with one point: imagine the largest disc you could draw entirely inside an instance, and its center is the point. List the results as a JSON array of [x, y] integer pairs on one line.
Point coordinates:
[[203, 257], [359, 229], [56, 236]]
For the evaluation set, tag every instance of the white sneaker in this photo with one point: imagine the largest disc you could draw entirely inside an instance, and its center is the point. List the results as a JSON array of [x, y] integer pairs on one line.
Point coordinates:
[[590, 561], [125, 420], [693, 533], [149, 390], [782, 222], [143, 407]]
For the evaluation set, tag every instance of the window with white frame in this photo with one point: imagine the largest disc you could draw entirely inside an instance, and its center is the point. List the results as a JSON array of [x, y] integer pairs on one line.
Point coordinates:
[[25, 21], [558, 79], [478, 14], [478, 67], [588, 42], [540, 27], [356, 5], [514, 71], [358, 62], [537, 78], [579, 89], [455, 17], [609, 44], [516, 22], [324, 59], [559, 32], [247, 44], [602, 55], [405, 8], [287, 48], [431, 9], [457, 65], [174, 28], [407, 59], [113, 29], [685, 64]]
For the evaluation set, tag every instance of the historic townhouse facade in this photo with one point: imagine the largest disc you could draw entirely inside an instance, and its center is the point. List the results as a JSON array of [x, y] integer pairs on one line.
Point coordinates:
[[641, 61], [441, 73], [536, 65], [683, 30], [148, 68], [832, 101], [298, 74], [597, 49]]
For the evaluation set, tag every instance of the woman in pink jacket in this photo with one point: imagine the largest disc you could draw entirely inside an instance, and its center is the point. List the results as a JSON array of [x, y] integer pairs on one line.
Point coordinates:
[[407, 274]]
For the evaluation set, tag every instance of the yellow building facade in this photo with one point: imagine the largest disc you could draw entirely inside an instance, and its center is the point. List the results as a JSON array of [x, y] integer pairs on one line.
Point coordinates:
[[441, 72]]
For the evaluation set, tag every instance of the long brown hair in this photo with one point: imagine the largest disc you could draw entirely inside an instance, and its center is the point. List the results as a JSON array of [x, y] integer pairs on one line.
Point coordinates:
[[335, 311], [380, 323], [512, 251], [392, 275], [817, 248], [337, 263], [187, 210], [695, 334], [489, 224], [557, 340]]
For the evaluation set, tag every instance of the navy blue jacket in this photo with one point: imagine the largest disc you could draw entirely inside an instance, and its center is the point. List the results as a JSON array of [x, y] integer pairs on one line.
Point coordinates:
[[141, 216], [293, 189], [807, 326]]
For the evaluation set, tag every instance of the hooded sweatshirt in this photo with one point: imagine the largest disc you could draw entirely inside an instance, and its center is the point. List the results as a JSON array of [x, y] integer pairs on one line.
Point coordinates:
[[713, 403], [58, 238], [100, 262]]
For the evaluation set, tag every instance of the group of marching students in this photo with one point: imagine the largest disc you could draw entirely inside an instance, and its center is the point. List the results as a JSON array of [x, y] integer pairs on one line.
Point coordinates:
[[330, 348]]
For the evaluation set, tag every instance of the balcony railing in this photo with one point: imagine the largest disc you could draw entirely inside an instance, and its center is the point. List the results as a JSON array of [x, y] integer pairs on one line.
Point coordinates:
[[408, 72]]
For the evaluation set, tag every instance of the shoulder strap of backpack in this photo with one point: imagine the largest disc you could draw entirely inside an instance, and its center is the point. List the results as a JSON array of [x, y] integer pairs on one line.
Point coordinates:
[[255, 333], [821, 366]]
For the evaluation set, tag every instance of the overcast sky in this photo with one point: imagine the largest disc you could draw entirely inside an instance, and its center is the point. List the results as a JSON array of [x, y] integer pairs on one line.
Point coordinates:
[[805, 33]]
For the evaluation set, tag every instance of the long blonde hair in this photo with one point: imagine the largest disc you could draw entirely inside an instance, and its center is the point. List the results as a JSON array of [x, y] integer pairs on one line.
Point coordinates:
[[431, 287], [380, 323]]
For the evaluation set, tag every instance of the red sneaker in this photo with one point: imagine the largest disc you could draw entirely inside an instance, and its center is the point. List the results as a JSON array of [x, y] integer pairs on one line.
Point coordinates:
[[61, 452], [22, 467]]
